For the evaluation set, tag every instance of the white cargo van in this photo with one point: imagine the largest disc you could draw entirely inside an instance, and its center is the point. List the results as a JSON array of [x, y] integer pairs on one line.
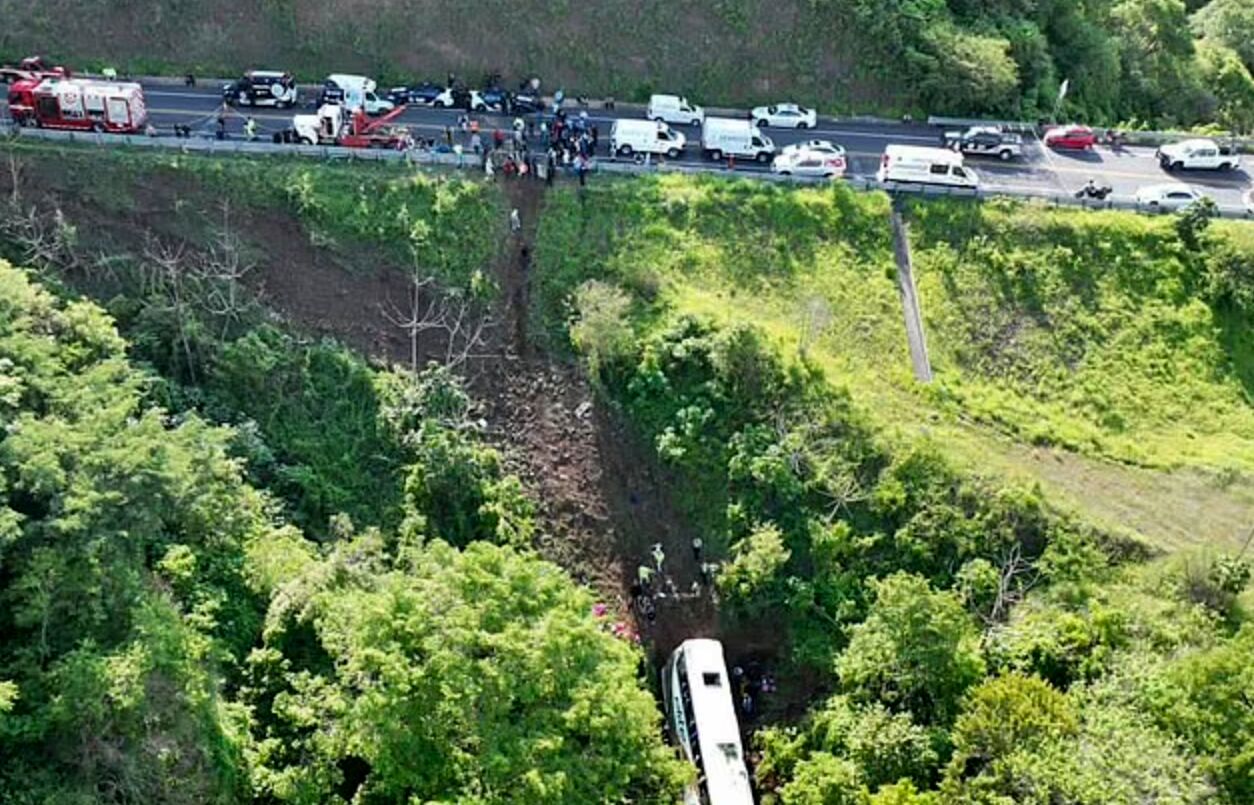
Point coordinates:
[[724, 136], [355, 91], [916, 164], [674, 109], [629, 137]]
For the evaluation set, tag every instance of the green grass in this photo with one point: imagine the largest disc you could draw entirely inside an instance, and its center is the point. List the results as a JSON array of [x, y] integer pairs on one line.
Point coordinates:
[[1084, 337]]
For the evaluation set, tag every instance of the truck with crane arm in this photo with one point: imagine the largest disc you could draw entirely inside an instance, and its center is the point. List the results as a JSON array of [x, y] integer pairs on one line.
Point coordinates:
[[334, 124]]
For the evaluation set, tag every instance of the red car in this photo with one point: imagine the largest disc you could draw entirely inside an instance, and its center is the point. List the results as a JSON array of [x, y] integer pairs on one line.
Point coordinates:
[[1077, 137]]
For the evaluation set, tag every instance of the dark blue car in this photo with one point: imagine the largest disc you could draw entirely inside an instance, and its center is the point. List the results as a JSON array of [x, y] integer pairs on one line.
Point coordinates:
[[423, 93]]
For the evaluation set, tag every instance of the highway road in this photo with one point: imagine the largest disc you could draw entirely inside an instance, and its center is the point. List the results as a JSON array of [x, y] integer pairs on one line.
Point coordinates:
[[1040, 171]]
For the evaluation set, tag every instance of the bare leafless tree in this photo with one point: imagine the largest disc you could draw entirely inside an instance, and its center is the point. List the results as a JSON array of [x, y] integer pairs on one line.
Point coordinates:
[[1015, 578], [463, 321]]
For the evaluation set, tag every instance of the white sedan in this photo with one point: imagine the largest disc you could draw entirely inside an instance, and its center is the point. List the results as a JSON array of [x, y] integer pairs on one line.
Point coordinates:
[[785, 116], [1170, 196], [821, 146], [809, 163]]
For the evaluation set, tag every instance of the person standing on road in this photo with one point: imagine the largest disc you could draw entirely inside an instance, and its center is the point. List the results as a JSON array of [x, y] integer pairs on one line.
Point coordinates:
[[250, 128], [515, 221], [221, 125], [476, 144]]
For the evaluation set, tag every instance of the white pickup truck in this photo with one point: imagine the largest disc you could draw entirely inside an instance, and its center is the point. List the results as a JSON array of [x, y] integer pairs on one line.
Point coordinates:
[[1198, 155]]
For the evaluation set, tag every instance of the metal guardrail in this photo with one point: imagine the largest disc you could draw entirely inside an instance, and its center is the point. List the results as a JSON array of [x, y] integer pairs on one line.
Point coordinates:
[[471, 162]]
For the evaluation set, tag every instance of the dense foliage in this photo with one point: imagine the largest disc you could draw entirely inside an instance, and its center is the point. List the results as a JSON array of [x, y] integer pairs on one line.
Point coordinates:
[[1156, 61], [983, 646], [165, 637]]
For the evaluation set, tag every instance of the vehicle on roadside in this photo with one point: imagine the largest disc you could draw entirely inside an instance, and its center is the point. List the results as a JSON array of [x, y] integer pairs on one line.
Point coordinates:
[[674, 109], [725, 136], [1197, 154], [820, 146], [784, 116], [32, 68], [458, 98], [336, 124], [354, 91], [79, 105], [1071, 137], [630, 137], [985, 141], [524, 103], [921, 165], [802, 162], [496, 99], [1168, 196], [262, 88], [697, 696], [420, 94]]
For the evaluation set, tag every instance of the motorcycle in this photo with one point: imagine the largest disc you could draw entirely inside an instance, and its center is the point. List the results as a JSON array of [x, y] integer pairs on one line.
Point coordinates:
[[1094, 191]]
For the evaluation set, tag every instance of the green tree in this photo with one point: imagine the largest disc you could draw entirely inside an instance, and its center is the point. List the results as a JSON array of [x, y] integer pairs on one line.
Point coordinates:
[[917, 650], [479, 675], [602, 328], [823, 779], [1008, 714], [752, 580], [122, 535], [1229, 23]]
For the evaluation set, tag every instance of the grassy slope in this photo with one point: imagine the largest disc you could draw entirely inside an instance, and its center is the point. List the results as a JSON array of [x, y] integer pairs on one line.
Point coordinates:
[[617, 49], [1069, 348]]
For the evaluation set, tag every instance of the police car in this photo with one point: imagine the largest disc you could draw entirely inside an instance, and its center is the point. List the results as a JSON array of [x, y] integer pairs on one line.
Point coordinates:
[[985, 141], [262, 88]]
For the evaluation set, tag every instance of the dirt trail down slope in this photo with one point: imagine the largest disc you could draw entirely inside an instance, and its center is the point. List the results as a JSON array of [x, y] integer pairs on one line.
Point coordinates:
[[603, 501]]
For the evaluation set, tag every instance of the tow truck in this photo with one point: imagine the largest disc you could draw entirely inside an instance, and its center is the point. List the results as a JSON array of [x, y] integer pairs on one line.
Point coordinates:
[[336, 125], [32, 68]]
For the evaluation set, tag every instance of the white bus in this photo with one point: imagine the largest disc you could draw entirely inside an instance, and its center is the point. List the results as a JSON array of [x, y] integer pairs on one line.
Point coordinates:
[[700, 709]]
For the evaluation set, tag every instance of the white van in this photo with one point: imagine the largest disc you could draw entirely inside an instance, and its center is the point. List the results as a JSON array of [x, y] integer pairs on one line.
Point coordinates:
[[674, 109], [357, 90], [629, 137], [724, 136], [912, 163]]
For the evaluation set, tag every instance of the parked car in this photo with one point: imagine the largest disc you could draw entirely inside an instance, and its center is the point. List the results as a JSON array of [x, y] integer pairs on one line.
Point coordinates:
[[729, 137], [526, 103], [917, 164], [354, 91], [1197, 154], [630, 137], [819, 146], [1169, 196], [421, 94], [496, 98], [803, 162], [784, 116], [1070, 137], [674, 109], [987, 141], [458, 98], [261, 88]]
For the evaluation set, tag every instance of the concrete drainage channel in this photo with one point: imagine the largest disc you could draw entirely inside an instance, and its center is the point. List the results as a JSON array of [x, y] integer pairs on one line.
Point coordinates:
[[208, 145]]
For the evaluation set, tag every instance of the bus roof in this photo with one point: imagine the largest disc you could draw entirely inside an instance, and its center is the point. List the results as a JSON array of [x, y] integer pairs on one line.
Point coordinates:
[[718, 731]]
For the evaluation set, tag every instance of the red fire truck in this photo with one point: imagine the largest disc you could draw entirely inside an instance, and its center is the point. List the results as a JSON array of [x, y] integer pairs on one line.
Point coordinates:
[[79, 104]]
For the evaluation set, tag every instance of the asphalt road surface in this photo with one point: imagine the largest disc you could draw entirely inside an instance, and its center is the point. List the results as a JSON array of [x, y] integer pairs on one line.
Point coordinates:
[[1039, 171]]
